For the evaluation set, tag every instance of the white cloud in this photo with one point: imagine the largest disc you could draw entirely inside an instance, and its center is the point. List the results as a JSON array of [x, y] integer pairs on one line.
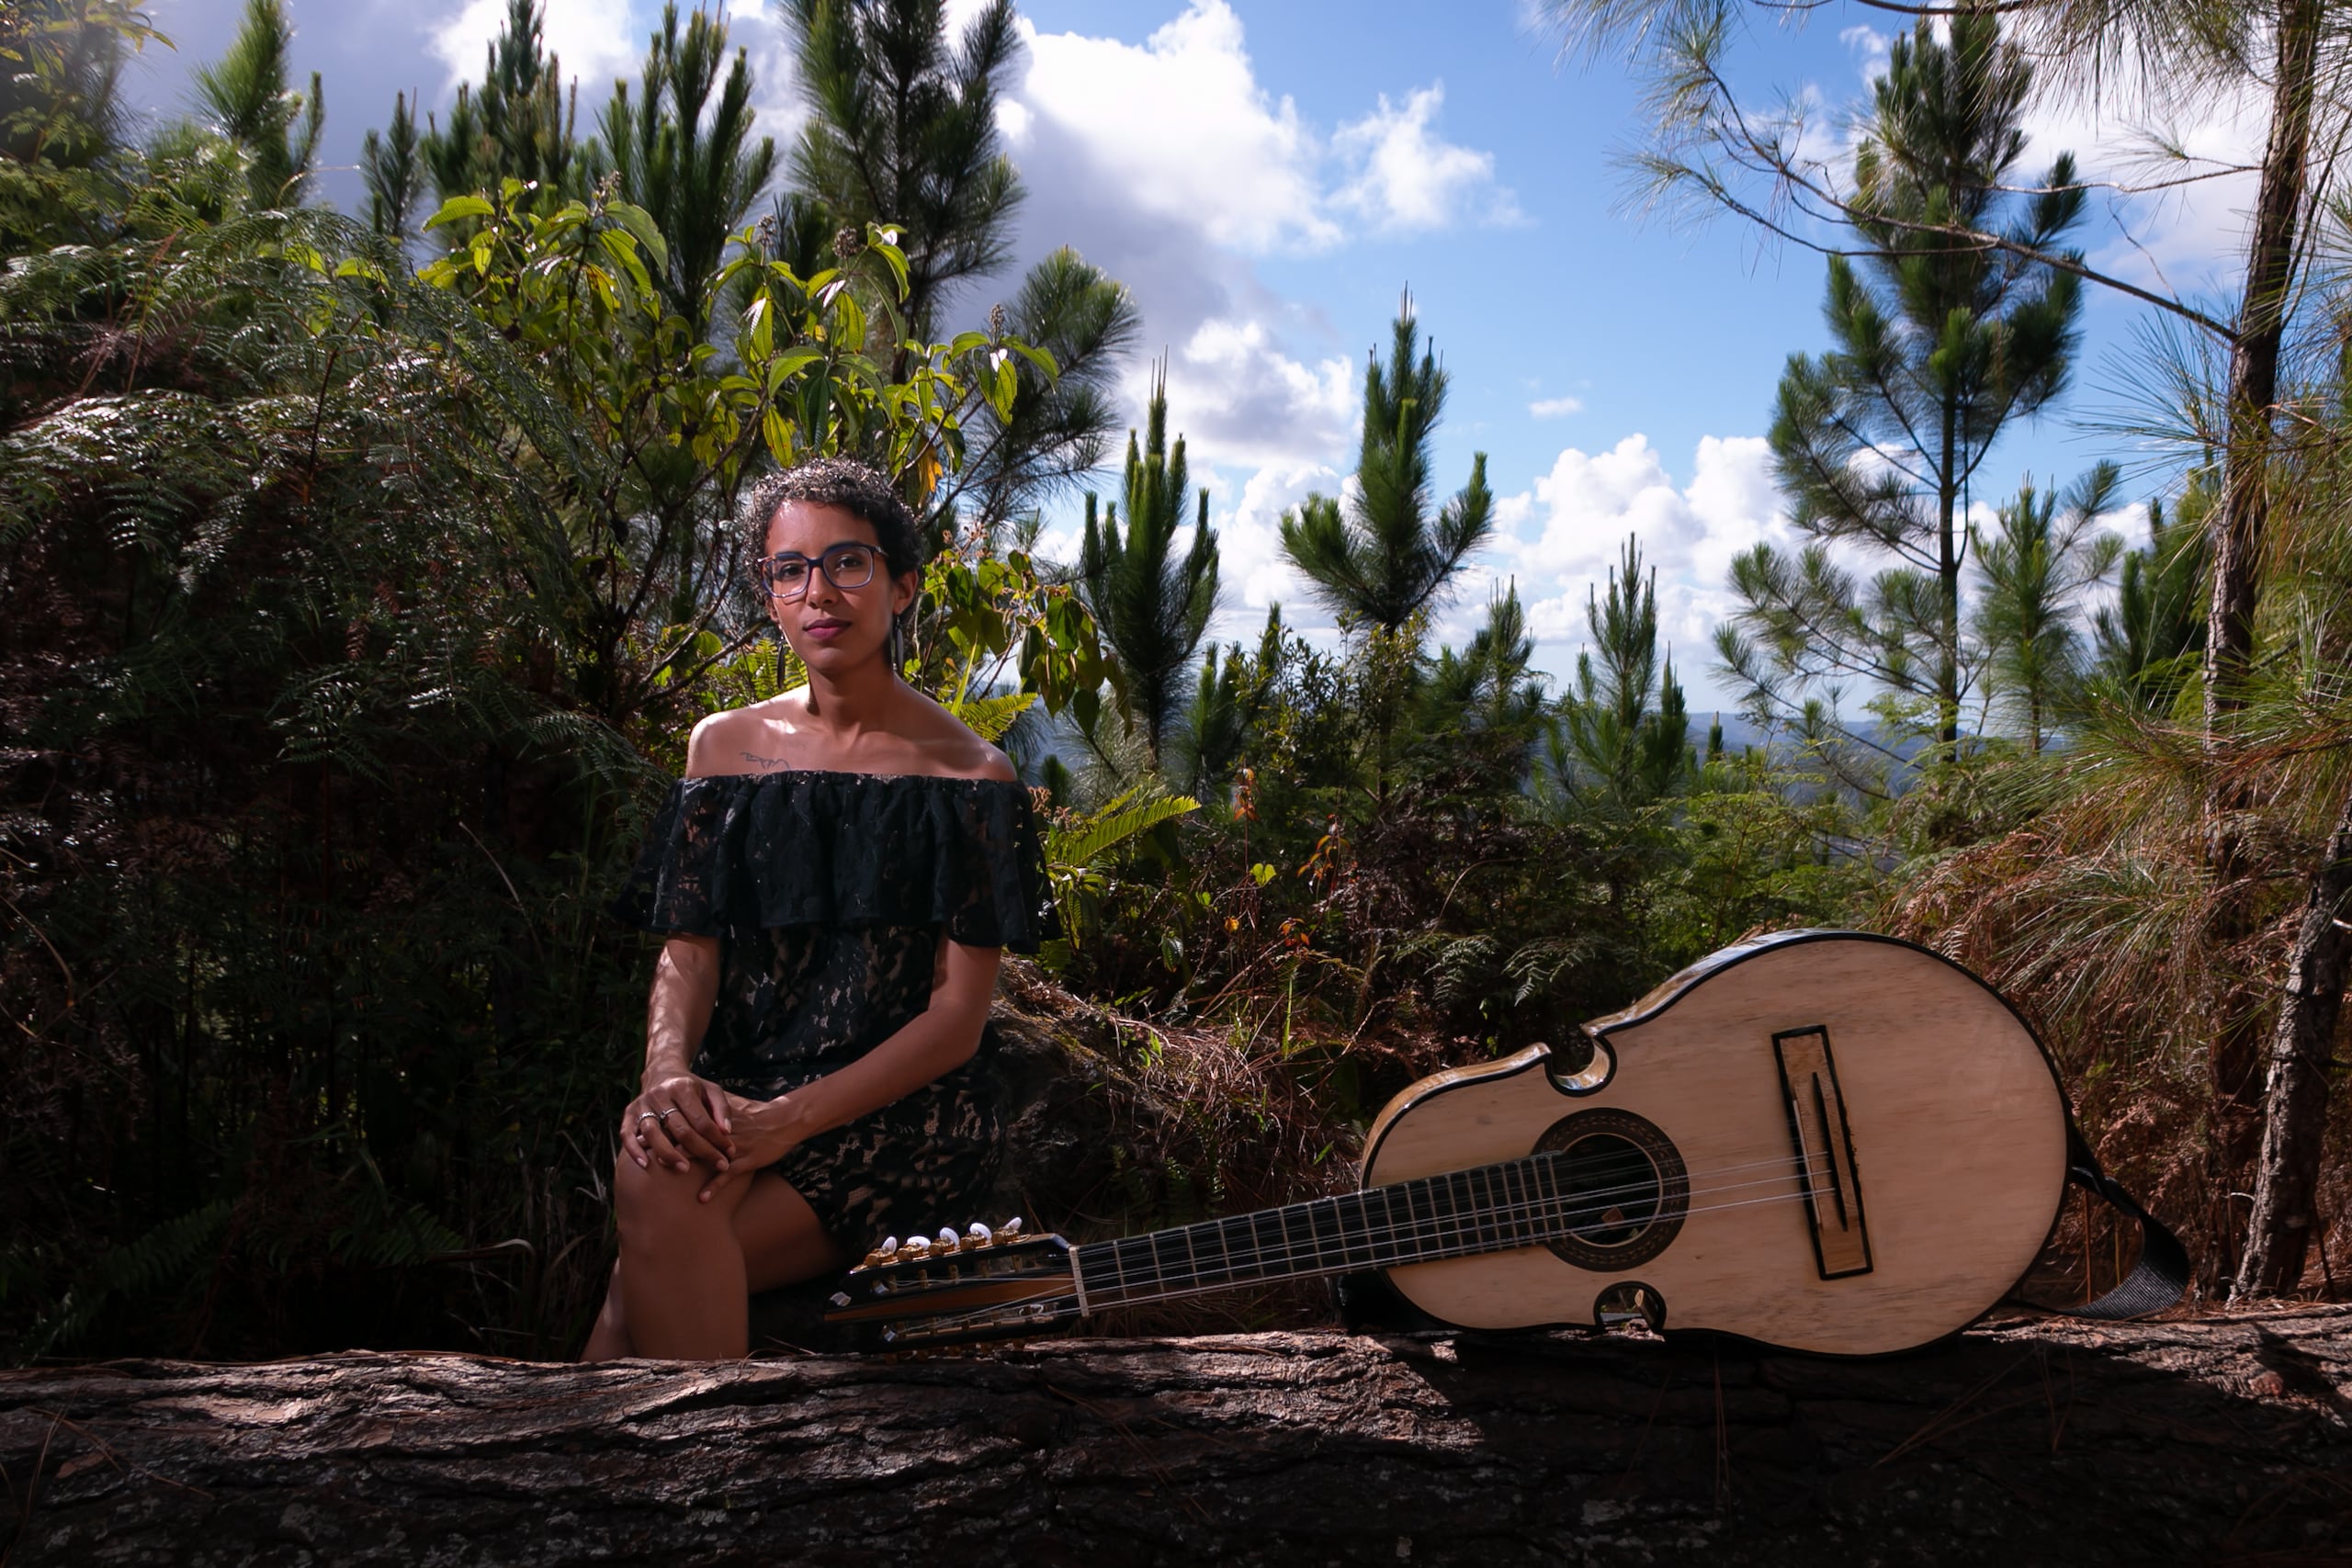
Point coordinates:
[[1555, 408], [1250, 561], [1561, 537], [1235, 391], [1180, 128], [593, 40], [1169, 165], [1406, 178]]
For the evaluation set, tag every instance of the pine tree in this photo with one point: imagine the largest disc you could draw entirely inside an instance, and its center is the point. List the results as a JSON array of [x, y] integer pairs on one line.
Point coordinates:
[[2048, 552], [1058, 430], [517, 123], [1383, 559], [688, 161], [246, 95], [903, 132], [1152, 607], [393, 172], [2151, 640], [1624, 735], [1940, 344]]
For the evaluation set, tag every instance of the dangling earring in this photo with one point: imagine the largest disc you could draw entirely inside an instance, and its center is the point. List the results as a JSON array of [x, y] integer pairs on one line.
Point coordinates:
[[898, 648], [782, 649]]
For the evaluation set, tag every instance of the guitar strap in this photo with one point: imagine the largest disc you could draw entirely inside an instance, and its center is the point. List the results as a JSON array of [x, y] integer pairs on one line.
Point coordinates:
[[2162, 1275]]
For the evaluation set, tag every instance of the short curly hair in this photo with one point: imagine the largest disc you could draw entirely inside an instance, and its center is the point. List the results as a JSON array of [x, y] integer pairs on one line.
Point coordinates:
[[856, 488]]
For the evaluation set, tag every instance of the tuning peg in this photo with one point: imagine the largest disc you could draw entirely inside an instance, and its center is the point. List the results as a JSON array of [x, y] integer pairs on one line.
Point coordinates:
[[885, 1253], [838, 1299], [1009, 1229], [913, 1248], [947, 1240], [979, 1235]]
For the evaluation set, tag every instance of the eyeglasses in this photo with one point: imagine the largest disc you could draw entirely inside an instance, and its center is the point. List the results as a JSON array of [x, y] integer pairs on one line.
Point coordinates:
[[845, 565]]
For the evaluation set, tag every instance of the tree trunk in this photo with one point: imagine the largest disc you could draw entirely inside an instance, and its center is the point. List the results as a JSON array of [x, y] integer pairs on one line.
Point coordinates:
[[1947, 588], [2240, 521], [2254, 357], [2302, 1047], [2047, 1443]]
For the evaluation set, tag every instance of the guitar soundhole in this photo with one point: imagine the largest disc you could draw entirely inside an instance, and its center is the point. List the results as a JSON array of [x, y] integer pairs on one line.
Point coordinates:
[[1622, 1189]]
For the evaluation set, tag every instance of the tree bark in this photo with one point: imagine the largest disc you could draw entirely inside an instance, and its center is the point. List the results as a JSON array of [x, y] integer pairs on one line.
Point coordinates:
[[2254, 355], [2053, 1442], [2243, 516], [2295, 1093]]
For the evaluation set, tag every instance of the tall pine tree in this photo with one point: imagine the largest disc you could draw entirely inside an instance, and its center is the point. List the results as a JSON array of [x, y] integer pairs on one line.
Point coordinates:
[[1152, 605]]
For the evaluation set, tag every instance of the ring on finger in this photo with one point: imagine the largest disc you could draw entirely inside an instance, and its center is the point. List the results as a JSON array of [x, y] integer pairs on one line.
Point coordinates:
[[664, 1117]]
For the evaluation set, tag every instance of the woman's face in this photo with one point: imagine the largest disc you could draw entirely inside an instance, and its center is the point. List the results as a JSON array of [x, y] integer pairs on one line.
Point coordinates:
[[830, 626]]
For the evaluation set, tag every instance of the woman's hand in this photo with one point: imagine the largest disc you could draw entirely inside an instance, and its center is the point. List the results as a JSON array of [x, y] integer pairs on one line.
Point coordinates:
[[678, 1120], [766, 1130]]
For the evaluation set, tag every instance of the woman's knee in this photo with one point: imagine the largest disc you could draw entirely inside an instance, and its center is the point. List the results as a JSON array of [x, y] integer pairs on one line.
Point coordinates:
[[655, 1200]]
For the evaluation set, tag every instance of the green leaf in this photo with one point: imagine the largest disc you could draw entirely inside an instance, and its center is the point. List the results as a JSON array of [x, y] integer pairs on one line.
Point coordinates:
[[640, 225], [784, 365], [891, 255], [458, 206], [990, 717], [777, 432], [1036, 356]]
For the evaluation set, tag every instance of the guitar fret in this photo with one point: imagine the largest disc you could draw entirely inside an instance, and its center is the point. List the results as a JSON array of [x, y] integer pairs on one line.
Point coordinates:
[[1547, 1178], [1163, 1265], [1322, 1222], [1424, 1216], [1268, 1254], [1135, 1267], [1465, 1211], [1515, 1217], [1347, 1218], [1384, 1252], [1285, 1243]]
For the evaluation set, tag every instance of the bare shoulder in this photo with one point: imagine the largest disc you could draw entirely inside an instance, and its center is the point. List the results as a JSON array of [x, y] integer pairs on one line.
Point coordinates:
[[950, 746], [734, 741]]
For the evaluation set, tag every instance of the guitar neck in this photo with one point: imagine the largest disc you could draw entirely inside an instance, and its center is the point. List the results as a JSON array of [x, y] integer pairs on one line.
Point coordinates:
[[1490, 1207]]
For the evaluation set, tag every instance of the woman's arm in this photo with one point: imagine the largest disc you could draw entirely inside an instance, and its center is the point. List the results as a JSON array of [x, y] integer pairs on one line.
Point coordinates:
[[935, 1042], [686, 984]]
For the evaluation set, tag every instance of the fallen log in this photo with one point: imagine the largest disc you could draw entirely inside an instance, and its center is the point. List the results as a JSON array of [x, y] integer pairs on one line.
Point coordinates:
[[2053, 1442]]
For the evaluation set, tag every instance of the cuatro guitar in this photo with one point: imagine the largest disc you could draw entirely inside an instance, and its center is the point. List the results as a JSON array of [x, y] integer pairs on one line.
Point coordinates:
[[1824, 1141]]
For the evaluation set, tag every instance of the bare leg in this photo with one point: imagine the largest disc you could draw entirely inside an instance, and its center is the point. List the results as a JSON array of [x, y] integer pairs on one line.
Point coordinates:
[[684, 1294], [688, 1267], [782, 1242], [610, 1341]]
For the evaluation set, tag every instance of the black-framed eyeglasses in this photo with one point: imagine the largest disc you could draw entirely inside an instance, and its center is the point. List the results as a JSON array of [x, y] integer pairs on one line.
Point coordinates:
[[845, 565]]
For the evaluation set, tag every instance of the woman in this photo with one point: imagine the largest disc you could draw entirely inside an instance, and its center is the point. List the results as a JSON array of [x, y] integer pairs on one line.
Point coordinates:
[[837, 872]]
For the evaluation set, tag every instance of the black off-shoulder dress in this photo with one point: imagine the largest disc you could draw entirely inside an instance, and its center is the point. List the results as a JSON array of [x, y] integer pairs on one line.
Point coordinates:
[[829, 894]]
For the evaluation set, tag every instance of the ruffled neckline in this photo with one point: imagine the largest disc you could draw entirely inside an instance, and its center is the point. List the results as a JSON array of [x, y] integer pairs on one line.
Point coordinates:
[[816, 847]]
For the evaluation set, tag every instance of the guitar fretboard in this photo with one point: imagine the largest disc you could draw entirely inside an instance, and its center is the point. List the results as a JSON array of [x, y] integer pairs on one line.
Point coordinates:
[[1491, 1208]]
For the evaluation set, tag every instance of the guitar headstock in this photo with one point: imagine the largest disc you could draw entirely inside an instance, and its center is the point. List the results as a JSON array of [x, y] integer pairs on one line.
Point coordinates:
[[958, 1289]]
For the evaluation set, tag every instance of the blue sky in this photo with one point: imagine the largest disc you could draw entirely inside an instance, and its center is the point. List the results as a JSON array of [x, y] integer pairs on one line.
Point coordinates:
[[1268, 178]]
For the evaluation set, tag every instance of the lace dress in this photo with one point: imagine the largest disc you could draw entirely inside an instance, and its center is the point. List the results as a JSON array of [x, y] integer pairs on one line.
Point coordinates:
[[829, 894]]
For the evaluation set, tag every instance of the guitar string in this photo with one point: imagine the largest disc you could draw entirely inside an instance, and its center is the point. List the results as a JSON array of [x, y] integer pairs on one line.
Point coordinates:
[[1435, 1227], [1789, 1168], [1061, 1289], [1464, 1247], [1802, 1162]]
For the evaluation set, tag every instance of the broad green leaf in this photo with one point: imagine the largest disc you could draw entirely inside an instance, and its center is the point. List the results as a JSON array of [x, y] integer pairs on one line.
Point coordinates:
[[640, 225], [458, 206], [784, 365], [1036, 356]]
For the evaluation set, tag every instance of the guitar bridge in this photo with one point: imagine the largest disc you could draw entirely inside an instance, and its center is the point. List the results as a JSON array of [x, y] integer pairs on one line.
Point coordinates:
[[1824, 1149]]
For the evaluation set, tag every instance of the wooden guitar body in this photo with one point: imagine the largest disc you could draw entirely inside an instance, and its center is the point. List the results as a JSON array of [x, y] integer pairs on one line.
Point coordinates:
[[1827, 1141]]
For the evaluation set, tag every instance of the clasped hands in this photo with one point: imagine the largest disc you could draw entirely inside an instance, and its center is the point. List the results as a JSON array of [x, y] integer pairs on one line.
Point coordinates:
[[682, 1120]]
